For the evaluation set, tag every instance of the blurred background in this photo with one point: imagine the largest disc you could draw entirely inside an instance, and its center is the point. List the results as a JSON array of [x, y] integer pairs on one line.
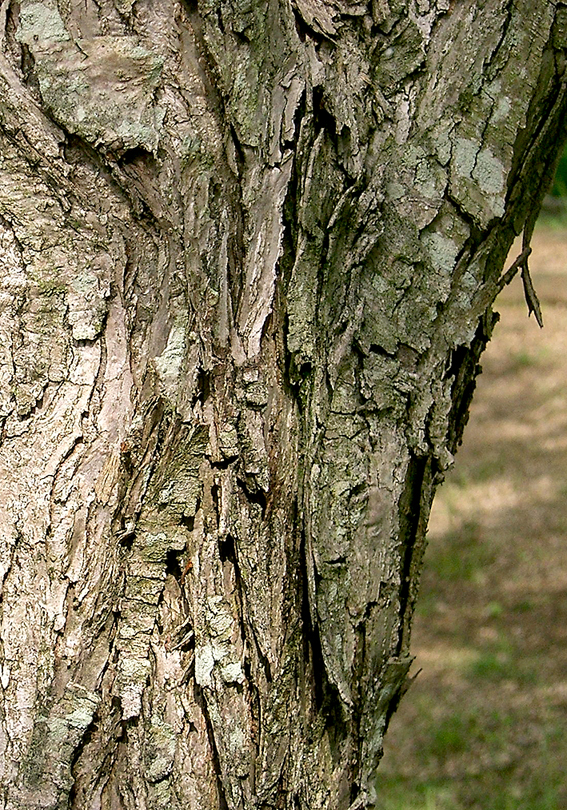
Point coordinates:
[[485, 723]]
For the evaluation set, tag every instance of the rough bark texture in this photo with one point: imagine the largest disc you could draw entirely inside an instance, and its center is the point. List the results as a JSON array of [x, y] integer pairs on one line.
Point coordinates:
[[248, 252]]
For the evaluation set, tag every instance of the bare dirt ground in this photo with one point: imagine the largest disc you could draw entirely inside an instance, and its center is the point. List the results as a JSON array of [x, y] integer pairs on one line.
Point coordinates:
[[485, 724]]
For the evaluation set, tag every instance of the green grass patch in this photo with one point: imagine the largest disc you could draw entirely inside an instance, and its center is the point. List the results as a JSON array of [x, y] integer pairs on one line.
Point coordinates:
[[469, 759], [498, 667], [524, 606], [403, 794], [501, 660], [555, 220], [494, 787], [469, 794], [427, 603], [462, 557], [452, 735]]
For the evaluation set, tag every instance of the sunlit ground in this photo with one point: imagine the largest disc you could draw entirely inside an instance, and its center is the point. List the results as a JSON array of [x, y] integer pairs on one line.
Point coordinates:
[[485, 724]]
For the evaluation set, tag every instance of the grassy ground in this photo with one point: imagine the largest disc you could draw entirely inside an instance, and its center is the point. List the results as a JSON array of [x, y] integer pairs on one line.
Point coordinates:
[[485, 724]]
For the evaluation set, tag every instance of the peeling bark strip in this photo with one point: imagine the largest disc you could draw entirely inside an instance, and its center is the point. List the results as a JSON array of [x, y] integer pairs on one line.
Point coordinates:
[[248, 254]]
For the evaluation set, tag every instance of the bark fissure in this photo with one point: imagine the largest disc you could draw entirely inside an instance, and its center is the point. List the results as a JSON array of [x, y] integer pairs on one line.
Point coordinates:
[[218, 770], [411, 525]]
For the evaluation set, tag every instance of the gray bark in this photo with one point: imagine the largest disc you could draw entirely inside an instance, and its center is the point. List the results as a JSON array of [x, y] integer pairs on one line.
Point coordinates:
[[248, 255]]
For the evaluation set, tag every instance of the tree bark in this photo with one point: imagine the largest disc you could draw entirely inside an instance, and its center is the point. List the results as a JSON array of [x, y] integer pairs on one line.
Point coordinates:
[[248, 255]]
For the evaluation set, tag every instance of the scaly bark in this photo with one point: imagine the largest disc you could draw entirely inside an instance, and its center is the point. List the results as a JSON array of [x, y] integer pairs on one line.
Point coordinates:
[[248, 255]]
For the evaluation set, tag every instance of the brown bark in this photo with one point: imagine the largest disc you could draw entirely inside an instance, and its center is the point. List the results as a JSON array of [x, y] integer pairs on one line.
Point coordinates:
[[248, 254]]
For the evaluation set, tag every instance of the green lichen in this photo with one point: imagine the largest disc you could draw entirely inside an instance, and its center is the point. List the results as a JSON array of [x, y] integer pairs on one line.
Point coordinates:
[[41, 21], [160, 749], [169, 363], [490, 173], [464, 156], [442, 252], [101, 89]]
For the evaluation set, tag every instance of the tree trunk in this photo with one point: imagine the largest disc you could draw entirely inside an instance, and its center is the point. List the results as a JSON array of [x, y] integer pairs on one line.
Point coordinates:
[[248, 255]]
